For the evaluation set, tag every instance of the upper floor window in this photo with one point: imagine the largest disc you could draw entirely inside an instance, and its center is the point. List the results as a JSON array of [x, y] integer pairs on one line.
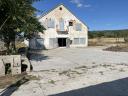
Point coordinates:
[[60, 8], [61, 24], [70, 23], [78, 27], [50, 23]]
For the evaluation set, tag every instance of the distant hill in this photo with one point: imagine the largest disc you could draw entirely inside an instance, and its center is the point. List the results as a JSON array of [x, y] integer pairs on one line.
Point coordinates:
[[108, 33]]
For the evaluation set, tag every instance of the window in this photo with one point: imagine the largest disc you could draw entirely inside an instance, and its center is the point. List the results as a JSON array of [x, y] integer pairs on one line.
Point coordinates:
[[78, 27], [76, 40], [82, 40], [61, 24], [51, 23], [8, 68], [60, 8], [39, 43], [53, 42], [70, 23], [79, 40]]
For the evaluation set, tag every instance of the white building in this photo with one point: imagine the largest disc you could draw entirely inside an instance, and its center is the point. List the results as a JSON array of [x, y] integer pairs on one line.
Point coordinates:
[[63, 29]]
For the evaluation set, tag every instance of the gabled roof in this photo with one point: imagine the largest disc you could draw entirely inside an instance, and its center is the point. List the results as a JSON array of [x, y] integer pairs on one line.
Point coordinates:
[[66, 8], [50, 10]]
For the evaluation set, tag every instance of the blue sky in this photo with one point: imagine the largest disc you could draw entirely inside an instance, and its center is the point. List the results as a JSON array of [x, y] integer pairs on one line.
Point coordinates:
[[97, 14]]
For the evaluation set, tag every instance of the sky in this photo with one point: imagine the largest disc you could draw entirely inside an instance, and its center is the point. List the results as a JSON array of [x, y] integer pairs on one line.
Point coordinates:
[[97, 14]]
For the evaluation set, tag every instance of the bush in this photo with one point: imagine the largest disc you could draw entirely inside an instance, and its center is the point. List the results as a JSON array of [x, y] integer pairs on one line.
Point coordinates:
[[126, 39]]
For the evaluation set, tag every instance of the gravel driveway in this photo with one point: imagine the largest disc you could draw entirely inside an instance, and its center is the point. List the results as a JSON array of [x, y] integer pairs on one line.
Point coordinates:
[[66, 58]]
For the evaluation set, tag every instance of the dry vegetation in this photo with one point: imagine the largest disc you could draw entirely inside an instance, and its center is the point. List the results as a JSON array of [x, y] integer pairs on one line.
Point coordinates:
[[116, 44], [118, 48], [20, 45], [9, 80], [105, 41]]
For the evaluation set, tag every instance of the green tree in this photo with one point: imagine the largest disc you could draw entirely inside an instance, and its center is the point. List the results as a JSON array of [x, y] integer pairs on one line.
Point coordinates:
[[17, 16]]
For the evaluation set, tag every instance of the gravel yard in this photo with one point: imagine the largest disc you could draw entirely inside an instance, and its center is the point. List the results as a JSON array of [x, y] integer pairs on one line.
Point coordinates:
[[66, 58], [77, 72]]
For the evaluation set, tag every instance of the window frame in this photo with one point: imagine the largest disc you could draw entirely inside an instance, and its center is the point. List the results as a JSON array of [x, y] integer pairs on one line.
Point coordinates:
[[61, 24], [50, 23], [79, 41], [70, 23], [78, 27]]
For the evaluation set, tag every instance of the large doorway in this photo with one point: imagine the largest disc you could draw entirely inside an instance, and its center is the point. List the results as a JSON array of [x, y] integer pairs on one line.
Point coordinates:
[[62, 42]]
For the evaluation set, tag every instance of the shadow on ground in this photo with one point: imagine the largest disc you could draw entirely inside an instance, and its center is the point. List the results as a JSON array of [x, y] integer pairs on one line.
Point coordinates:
[[114, 88], [12, 88], [36, 55]]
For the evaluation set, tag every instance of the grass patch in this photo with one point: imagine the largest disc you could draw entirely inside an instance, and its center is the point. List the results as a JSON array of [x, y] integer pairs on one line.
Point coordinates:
[[64, 72], [122, 70], [51, 81], [76, 72], [101, 72], [70, 73], [81, 67], [105, 65]]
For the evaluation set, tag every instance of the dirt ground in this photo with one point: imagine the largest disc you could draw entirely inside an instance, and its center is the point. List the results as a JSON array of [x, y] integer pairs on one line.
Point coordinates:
[[5, 81], [76, 72]]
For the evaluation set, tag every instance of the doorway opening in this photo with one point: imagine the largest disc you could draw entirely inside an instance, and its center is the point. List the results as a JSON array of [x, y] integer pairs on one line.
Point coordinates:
[[62, 42], [8, 68], [24, 67]]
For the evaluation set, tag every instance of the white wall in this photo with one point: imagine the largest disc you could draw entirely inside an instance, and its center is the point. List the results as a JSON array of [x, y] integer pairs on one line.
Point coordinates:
[[56, 14]]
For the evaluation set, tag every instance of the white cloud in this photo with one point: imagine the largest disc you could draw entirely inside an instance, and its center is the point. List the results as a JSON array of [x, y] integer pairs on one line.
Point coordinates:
[[75, 1], [79, 3]]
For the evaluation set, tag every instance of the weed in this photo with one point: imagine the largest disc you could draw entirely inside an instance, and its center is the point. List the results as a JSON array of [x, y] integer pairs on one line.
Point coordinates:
[[51, 81], [81, 67], [122, 70], [101, 72]]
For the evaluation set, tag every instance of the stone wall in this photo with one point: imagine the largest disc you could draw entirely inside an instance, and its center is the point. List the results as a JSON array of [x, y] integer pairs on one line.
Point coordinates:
[[2, 68], [15, 64]]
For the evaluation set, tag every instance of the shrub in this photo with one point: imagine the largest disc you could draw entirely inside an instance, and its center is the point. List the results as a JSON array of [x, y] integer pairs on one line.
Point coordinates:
[[126, 39]]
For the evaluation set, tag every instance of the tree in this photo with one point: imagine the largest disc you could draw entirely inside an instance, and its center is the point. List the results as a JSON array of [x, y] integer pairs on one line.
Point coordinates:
[[17, 16]]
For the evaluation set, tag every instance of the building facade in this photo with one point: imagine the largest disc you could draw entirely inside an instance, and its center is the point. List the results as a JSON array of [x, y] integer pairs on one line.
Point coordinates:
[[63, 29]]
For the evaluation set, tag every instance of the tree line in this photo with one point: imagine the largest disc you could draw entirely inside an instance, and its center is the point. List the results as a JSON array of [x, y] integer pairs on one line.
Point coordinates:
[[109, 34]]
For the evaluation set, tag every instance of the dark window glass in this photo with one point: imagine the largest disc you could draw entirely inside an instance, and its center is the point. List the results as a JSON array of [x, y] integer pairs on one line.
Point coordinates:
[[70, 23], [60, 8]]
